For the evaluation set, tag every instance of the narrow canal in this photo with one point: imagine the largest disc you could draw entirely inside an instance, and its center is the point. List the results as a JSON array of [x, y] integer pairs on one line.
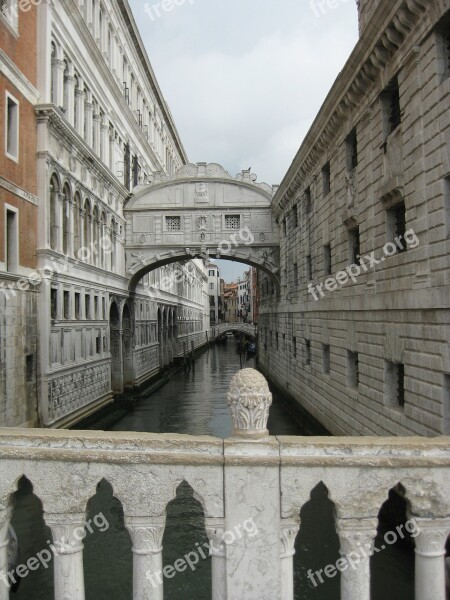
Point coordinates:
[[194, 402]]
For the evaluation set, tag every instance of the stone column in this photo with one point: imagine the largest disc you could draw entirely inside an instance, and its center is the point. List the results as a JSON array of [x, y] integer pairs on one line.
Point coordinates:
[[69, 84], [79, 107], [67, 530], [215, 530], [146, 534], [252, 493], [59, 207], [4, 542], [97, 129], [356, 537], [430, 558], [59, 67], [88, 115], [289, 530], [105, 140]]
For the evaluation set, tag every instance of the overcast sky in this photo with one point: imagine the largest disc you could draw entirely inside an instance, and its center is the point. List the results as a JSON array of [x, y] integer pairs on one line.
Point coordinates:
[[244, 79]]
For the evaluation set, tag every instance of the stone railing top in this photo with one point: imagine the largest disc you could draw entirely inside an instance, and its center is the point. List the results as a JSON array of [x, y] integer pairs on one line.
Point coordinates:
[[249, 399]]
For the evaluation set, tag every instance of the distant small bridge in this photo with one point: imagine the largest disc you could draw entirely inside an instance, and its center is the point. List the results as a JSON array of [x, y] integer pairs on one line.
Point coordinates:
[[246, 328]]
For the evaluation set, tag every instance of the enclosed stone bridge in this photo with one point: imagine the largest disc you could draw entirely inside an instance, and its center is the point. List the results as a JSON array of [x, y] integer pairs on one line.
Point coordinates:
[[245, 328], [201, 212]]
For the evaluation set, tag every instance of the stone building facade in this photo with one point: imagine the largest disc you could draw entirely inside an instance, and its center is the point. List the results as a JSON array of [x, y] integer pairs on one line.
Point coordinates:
[[18, 215], [103, 129], [365, 350]]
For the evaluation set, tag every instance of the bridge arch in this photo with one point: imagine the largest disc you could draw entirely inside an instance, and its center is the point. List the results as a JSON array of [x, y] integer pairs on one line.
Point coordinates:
[[201, 212]]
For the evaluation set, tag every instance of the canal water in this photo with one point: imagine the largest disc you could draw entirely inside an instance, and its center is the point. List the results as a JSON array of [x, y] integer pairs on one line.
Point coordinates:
[[194, 402]]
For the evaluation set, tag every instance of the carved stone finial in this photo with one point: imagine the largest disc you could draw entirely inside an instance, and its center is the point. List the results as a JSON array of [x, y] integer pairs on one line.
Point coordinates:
[[249, 399]]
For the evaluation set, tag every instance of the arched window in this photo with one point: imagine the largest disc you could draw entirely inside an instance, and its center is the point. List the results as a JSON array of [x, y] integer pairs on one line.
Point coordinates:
[[66, 88], [66, 219], [54, 211], [53, 92], [77, 224], [87, 227]]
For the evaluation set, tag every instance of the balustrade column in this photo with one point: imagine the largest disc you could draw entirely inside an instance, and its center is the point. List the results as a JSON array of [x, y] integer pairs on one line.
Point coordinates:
[[356, 537], [289, 530], [430, 558], [146, 534], [4, 542], [215, 530], [67, 530]]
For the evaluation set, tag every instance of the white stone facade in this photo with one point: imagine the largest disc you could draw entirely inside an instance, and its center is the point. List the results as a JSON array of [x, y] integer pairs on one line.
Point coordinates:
[[103, 129], [370, 356]]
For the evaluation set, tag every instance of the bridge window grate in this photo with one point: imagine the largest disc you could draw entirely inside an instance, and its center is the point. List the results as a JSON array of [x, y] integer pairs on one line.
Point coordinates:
[[232, 222], [173, 223]]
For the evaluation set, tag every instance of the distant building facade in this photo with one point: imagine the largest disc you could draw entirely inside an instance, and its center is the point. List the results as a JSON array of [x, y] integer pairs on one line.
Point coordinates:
[[214, 291], [360, 331]]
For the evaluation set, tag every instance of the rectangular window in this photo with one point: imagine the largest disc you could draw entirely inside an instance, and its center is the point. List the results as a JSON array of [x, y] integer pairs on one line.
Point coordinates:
[[232, 222], [394, 384], [173, 223], [211, 273], [12, 240], [103, 315], [308, 200], [54, 304], [211, 286], [276, 341], [443, 44], [307, 352], [354, 249], [77, 305], [98, 344], [294, 215], [327, 259], [12, 128], [295, 275], [396, 226], [326, 179], [326, 358], [66, 299], [352, 369], [390, 101], [294, 347], [309, 269], [87, 306], [351, 144], [29, 367]]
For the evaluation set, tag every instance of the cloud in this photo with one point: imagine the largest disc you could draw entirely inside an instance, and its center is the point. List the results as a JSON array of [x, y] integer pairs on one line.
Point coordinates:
[[244, 79]]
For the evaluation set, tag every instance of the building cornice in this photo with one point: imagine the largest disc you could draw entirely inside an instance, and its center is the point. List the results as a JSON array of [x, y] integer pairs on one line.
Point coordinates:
[[127, 14], [380, 40], [18, 79]]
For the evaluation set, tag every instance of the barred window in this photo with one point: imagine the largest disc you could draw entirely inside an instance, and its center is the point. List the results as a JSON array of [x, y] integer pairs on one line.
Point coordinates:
[[173, 223], [232, 222]]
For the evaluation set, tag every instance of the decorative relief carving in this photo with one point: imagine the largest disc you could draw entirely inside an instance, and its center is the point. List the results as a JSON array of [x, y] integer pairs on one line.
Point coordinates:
[[201, 192], [74, 390], [249, 399]]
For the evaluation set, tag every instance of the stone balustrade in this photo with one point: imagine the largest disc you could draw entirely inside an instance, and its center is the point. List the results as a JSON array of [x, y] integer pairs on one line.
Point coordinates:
[[248, 476]]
